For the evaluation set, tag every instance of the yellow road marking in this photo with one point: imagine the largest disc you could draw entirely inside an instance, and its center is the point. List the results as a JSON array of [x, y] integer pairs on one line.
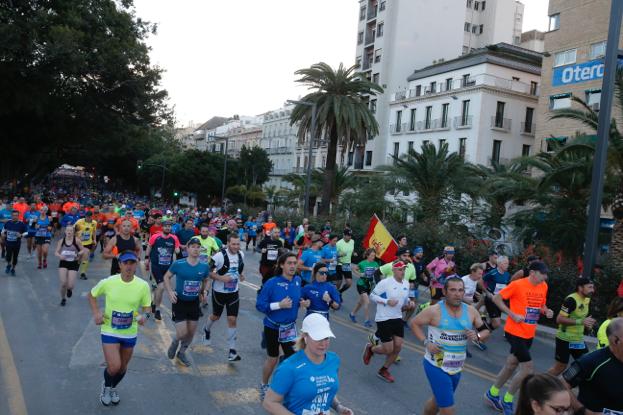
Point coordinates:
[[10, 377], [218, 369], [237, 397]]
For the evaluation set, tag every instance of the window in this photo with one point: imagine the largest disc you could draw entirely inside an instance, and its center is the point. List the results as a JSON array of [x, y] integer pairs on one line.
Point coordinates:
[[598, 50], [368, 158], [469, 3], [534, 87], [474, 28], [418, 90], [429, 114], [468, 26], [412, 120], [377, 55], [441, 142], [396, 149], [465, 112], [375, 78], [525, 150], [425, 142], [476, 5], [462, 145], [360, 38], [529, 120], [382, 6], [433, 87], [410, 146], [466, 81], [362, 13], [481, 29], [448, 84], [373, 106], [495, 152], [465, 50], [358, 61], [398, 120], [379, 30], [444, 115], [499, 114], [593, 98], [561, 101], [482, 5], [554, 22]]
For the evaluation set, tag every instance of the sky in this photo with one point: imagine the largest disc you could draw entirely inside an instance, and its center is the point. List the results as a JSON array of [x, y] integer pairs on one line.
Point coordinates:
[[226, 57]]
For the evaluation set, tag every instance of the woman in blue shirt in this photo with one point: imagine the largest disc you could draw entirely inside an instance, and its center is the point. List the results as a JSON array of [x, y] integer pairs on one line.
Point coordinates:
[[279, 299], [307, 383], [322, 294], [250, 227], [43, 237]]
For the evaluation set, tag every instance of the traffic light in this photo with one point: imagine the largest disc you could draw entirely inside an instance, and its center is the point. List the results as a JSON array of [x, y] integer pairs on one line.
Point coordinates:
[[139, 164], [175, 194]]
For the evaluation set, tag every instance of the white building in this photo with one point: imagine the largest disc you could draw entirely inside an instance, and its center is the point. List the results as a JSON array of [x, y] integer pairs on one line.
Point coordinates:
[[210, 138], [483, 105], [395, 36], [533, 40]]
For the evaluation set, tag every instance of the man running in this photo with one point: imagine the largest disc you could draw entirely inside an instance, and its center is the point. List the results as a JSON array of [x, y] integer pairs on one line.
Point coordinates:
[[161, 250], [404, 255], [12, 238], [228, 271], [572, 319], [495, 281], [269, 247], [208, 243], [310, 257], [250, 226], [451, 324], [392, 298], [31, 217], [123, 241], [86, 229], [191, 278], [329, 257], [345, 248], [527, 298], [125, 295]]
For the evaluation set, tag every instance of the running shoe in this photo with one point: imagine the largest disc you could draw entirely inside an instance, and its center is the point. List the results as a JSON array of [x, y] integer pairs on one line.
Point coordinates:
[[114, 396], [263, 390], [206, 337], [367, 354], [372, 339], [7, 269], [352, 317], [63, 302], [105, 397], [13, 271], [39, 266], [384, 374], [172, 349], [367, 324], [157, 315], [69, 292], [493, 401], [507, 408], [481, 346], [181, 356], [398, 359], [45, 264], [83, 276], [233, 356]]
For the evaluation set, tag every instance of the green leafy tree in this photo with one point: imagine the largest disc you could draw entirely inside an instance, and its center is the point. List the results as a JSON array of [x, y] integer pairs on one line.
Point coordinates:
[[344, 118], [255, 165], [343, 180]]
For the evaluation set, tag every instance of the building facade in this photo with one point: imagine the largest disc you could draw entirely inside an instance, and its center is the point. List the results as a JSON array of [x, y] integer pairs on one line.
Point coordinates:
[[482, 105], [395, 36], [573, 65], [248, 136], [279, 140], [533, 40]]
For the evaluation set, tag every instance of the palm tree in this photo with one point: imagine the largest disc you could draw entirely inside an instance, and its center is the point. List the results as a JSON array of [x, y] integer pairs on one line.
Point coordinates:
[[298, 184], [342, 181], [435, 174], [589, 118], [343, 116]]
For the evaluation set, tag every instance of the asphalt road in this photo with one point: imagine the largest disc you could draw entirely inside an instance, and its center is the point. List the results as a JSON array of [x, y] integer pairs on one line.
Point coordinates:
[[51, 360]]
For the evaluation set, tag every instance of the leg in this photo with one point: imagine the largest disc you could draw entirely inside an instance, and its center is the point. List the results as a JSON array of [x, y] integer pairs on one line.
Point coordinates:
[[112, 355], [507, 371], [347, 283], [71, 279], [62, 278], [397, 346], [366, 306], [269, 367], [430, 407], [45, 249], [158, 294], [525, 369]]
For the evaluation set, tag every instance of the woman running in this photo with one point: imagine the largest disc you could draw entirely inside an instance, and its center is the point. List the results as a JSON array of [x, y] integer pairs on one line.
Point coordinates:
[[69, 251], [43, 237], [365, 270]]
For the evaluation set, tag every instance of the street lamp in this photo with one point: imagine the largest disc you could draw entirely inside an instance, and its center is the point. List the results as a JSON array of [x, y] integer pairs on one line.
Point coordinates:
[[163, 166], [216, 137], [309, 155]]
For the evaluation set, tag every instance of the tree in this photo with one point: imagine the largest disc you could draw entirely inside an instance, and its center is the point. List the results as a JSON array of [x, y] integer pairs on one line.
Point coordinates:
[[342, 181], [255, 165], [343, 116]]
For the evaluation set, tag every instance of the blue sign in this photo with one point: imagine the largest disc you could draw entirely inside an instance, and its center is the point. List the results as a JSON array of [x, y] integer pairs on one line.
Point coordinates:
[[583, 72]]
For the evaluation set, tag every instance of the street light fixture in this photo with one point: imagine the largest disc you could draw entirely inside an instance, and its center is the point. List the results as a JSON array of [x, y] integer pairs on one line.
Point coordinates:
[[309, 155]]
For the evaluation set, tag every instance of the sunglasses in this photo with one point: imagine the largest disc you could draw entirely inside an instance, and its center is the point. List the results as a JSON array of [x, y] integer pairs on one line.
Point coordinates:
[[323, 272]]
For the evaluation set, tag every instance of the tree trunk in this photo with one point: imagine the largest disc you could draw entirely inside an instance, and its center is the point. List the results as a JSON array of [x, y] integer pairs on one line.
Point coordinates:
[[329, 177]]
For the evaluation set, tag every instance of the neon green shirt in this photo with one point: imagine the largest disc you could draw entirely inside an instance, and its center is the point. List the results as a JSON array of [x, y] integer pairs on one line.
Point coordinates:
[[602, 339], [386, 271], [209, 247], [123, 300], [345, 251]]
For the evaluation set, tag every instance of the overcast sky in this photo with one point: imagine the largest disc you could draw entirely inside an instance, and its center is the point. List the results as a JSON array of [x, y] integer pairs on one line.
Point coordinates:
[[239, 56]]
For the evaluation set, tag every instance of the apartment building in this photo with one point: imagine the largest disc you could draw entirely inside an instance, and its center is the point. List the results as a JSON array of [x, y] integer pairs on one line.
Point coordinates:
[[482, 104], [573, 65], [248, 136], [279, 140], [395, 36]]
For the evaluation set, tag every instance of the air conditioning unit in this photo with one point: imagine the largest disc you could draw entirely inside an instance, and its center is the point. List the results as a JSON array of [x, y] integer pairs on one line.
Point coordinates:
[[595, 106]]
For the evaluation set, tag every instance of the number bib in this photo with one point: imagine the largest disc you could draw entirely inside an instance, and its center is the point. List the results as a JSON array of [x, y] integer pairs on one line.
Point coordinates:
[[498, 288], [68, 255], [346, 267], [271, 255], [121, 320], [41, 232], [12, 236], [369, 273], [577, 345], [532, 315], [453, 362], [191, 288], [287, 332], [607, 411], [332, 266], [164, 258], [86, 236]]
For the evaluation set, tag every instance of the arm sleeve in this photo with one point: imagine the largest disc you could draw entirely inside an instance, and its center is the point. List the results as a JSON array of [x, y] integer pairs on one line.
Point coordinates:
[[432, 264], [574, 374], [177, 242], [100, 288], [568, 306], [283, 379], [263, 299], [378, 294]]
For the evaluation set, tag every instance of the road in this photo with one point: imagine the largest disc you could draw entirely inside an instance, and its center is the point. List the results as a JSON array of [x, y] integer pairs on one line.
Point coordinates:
[[51, 360]]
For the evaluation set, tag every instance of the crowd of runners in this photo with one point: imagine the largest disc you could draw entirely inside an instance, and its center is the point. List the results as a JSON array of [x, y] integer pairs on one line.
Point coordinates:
[[197, 258]]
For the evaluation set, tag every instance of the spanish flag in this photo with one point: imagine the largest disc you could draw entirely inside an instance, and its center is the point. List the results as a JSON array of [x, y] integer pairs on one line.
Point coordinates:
[[381, 240]]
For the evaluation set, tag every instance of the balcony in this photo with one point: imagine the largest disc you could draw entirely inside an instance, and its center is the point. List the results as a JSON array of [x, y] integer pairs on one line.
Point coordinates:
[[370, 36], [372, 12], [398, 128], [463, 122], [437, 124], [528, 128], [279, 150], [367, 64], [400, 95], [500, 124]]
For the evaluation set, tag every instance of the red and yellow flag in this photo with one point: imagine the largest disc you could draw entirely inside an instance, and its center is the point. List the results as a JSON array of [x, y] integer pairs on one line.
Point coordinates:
[[381, 240]]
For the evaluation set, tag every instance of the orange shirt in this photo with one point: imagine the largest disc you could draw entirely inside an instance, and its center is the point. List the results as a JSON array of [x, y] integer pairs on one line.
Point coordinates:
[[68, 205], [21, 208], [100, 218], [268, 226], [526, 300]]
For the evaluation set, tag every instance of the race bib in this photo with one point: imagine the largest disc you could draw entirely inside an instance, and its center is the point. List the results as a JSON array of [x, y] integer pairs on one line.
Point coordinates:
[[453, 362], [12, 236], [86, 236], [287, 333], [369, 272], [204, 258], [231, 285], [164, 258], [607, 411], [332, 266], [54, 214], [191, 288], [577, 345], [346, 267], [498, 288], [532, 315], [41, 232], [271, 255], [69, 255], [121, 320]]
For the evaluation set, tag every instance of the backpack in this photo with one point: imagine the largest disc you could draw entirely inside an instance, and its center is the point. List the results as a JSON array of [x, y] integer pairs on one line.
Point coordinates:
[[225, 266]]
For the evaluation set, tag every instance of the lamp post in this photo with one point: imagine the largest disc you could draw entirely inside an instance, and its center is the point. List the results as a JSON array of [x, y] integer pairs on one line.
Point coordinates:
[[163, 166], [216, 137], [309, 154], [603, 134]]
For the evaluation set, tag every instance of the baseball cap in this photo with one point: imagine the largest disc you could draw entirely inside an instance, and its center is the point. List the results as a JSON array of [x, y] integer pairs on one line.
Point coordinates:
[[317, 326], [448, 250], [401, 251], [539, 266], [193, 241], [128, 256], [398, 264], [418, 250]]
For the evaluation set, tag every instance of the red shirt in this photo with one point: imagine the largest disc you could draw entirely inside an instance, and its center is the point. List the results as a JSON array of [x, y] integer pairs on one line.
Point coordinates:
[[21, 208], [154, 229], [68, 205], [620, 289]]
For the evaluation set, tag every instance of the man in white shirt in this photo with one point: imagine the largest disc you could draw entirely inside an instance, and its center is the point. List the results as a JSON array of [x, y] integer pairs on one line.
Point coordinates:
[[471, 283], [392, 298]]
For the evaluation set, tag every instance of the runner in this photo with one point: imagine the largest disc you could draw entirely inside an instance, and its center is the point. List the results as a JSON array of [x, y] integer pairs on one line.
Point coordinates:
[[135, 227], [160, 251], [524, 272], [310, 257], [269, 247], [322, 295], [22, 207], [68, 250], [304, 241], [185, 235], [422, 275], [572, 319], [345, 248], [250, 227], [392, 298], [100, 221], [615, 309], [365, 270], [12, 238], [403, 254], [288, 234], [491, 262], [5, 216], [43, 237], [470, 282], [598, 376], [436, 268], [527, 302], [268, 226], [70, 218], [228, 271], [451, 324], [208, 243], [125, 295], [191, 280], [329, 256], [123, 241], [86, 229], [495, 281], [30, 217], [280, 299], [291, 390]]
